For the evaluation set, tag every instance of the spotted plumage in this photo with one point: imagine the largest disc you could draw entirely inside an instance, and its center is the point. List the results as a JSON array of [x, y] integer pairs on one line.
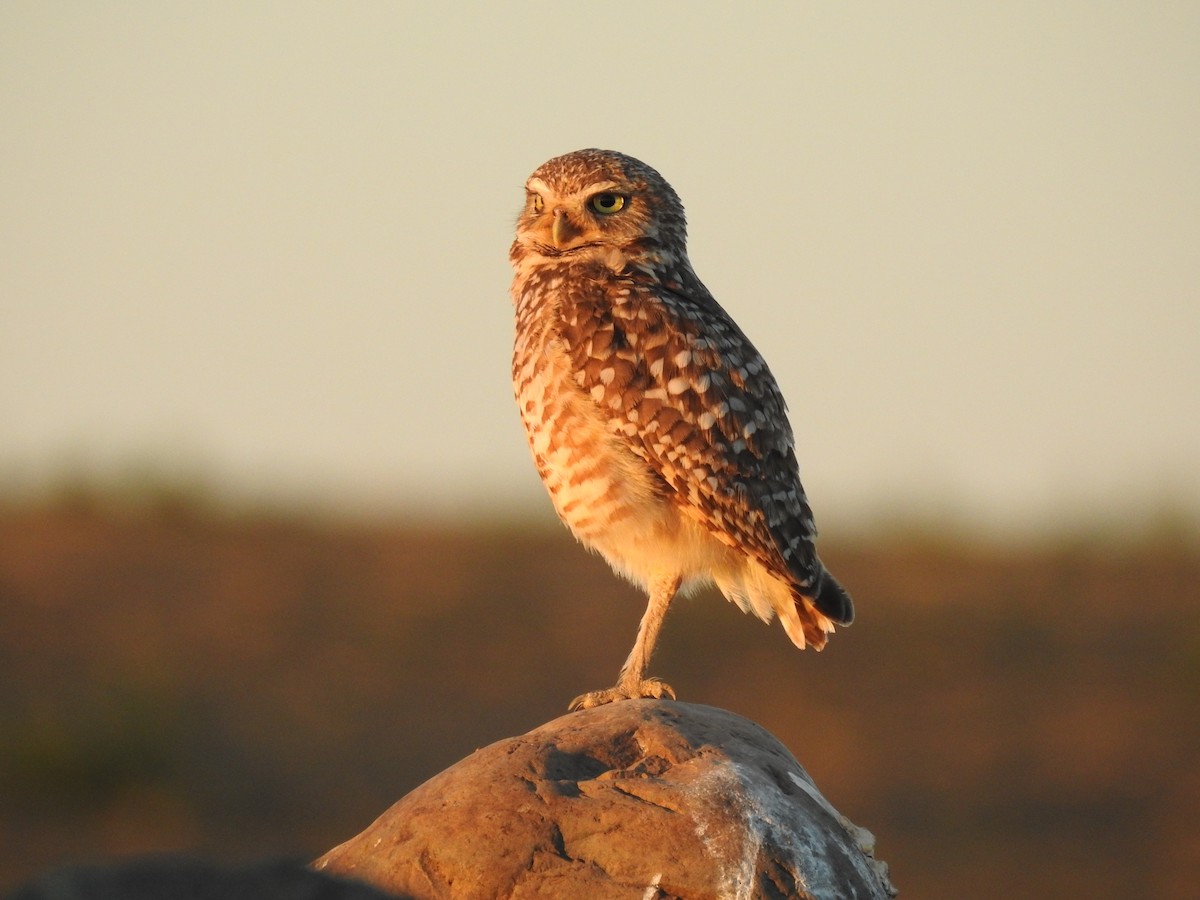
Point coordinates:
[[656, 426]]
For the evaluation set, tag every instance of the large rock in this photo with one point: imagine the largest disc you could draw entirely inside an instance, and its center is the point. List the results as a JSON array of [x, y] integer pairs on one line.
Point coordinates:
[[638, 799]]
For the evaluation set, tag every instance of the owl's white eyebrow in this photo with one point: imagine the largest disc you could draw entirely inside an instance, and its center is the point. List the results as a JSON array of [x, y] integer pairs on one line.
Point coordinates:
[[540, 187]]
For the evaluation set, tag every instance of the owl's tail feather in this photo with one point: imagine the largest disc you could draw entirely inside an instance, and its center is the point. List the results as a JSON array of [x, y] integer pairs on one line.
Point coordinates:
[[805, 625], [833, 601], [807, 616], [812, 617]]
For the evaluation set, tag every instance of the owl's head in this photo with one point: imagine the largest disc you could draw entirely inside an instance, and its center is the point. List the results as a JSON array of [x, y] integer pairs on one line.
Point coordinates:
[[591, 202]]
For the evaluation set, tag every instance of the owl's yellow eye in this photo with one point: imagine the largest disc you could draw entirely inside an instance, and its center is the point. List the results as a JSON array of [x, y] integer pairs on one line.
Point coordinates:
[[536, 202], [607, 204]]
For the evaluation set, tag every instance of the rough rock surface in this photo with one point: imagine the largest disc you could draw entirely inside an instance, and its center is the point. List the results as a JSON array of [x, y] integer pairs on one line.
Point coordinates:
[[638, 799]]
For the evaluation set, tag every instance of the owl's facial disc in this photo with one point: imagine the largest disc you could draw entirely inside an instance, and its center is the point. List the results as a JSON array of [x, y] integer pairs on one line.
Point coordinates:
[[563, 218]]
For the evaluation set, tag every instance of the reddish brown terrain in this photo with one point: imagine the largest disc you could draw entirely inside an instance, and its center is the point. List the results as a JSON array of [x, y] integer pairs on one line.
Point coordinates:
[[1009, 723]]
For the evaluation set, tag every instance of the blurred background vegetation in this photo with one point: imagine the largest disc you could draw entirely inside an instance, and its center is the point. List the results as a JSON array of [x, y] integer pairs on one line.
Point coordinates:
[[1009, 719]]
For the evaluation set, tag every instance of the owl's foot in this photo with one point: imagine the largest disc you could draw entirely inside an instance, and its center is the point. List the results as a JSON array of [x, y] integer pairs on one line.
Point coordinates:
[[653, 688]]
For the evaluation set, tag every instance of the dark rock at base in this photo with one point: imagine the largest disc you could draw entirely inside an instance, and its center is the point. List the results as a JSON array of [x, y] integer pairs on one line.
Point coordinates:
[[638, 799], [174, 878]]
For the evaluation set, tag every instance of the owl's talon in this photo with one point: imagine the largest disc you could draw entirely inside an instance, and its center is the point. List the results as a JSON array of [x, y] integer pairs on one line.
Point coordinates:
[[647, 688]]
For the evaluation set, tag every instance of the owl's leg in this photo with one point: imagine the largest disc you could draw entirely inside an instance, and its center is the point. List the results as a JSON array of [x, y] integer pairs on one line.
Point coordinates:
[[662, 592], [632, 682]]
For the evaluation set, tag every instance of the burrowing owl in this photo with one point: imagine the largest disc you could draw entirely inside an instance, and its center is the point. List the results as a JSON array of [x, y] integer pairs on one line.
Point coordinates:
[[656, 426]]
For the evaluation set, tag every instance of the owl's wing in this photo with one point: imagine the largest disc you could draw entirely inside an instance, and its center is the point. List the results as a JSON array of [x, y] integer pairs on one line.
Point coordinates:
[[679, 381]]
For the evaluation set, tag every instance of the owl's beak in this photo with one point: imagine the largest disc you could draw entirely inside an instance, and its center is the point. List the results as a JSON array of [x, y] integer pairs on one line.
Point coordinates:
[[563, 231]]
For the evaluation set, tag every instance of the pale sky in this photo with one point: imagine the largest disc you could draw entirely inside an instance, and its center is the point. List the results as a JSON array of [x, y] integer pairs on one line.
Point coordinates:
[[264, 243]]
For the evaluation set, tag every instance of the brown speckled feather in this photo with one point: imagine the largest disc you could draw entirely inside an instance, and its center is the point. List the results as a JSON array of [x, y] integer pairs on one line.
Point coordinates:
[[683, 386], [658, 429]]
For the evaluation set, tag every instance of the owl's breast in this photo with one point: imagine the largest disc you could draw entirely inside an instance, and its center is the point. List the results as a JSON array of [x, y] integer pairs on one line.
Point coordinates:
[[594, 479]]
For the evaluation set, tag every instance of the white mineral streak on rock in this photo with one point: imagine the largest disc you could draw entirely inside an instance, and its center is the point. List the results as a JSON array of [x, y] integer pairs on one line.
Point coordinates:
[[722, 790]]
